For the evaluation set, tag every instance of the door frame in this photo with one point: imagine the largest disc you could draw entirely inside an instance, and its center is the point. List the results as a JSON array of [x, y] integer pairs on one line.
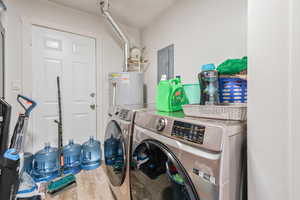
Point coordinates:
[[27, 80]]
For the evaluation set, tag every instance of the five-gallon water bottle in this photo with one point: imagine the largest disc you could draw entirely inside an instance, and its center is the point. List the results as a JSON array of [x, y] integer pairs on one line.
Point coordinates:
[[72, 158], [209, 84], [46, 164], [120, 161], [28, 160], [111, 150], [91, 154]]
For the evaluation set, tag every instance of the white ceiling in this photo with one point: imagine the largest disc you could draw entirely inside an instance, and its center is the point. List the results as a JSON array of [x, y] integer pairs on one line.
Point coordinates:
[[138, 13]]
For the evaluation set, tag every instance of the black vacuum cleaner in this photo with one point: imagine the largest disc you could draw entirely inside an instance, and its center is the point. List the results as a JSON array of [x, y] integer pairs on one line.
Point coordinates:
[[5, 113], [11, 159]]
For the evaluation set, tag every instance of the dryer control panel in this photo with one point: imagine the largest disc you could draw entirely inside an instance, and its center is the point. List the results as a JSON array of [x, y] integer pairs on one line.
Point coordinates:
[[187, 131], [124, 114]]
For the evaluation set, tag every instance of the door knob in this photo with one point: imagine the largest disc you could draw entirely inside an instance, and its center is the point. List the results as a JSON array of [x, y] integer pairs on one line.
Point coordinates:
[[93, 106]]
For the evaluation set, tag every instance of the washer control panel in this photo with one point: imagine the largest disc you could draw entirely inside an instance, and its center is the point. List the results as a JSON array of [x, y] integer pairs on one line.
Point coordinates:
[[160, 124], [187, 131]]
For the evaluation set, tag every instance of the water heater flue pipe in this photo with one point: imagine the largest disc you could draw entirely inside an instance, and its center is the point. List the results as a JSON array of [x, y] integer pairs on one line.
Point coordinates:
[[2, 6], [104, 5]]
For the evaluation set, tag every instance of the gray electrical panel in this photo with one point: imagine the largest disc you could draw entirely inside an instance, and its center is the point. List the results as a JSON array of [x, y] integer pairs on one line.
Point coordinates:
[[165, 62]]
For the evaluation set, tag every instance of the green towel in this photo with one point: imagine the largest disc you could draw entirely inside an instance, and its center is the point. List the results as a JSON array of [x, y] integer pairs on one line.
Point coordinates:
[[233, 66]]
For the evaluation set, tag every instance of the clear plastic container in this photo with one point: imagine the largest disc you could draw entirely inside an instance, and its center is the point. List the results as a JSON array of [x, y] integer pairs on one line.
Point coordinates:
[[46, 164], [91, 154], [72, 158], [27, 185], [192, 91], [236, 112], [209, 83]]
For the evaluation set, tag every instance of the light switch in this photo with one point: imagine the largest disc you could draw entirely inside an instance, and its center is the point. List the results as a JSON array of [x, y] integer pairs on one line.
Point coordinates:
[[16, 85]]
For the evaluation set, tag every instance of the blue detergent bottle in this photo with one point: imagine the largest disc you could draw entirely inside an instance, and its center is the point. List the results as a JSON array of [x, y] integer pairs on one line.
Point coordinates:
[[91, 154], [46, 164], [72, 158]]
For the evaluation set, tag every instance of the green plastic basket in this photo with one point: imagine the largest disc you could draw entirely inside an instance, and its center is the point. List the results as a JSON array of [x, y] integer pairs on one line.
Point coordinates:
[[192, 92]]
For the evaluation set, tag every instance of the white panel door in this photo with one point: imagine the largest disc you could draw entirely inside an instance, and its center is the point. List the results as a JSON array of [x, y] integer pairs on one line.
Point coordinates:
[[72, 57]]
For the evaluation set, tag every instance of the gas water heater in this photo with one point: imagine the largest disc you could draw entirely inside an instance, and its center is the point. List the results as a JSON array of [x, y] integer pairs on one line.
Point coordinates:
[[125, 88]]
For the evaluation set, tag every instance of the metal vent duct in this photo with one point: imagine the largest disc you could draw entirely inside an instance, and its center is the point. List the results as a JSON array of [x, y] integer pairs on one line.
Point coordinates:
[[104, 5], [2, 6]]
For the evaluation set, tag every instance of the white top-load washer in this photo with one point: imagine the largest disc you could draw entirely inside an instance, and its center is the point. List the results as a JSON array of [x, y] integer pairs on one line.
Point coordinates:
[[179, 158]]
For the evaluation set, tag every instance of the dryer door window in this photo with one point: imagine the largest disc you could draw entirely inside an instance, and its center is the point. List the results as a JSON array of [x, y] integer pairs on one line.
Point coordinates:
[[156, 174], [114, 153]]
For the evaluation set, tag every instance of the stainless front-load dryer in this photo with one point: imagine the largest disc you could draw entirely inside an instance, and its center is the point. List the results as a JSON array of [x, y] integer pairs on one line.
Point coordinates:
[[179, 158], [116, 148]]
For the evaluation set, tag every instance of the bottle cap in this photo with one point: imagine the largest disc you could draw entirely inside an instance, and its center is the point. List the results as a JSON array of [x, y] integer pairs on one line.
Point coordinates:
[[208, 67], [163, 77], [47, 145]]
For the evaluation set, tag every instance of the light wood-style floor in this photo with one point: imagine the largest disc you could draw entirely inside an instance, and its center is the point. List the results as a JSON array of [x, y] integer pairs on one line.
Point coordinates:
[[91, 185]]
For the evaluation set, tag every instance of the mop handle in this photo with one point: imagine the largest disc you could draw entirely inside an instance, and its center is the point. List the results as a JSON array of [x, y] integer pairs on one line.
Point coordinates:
[[60, 130], [29, 101]]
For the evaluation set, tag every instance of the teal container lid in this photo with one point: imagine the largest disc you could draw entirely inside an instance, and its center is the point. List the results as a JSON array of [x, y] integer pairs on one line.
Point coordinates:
[[208, 67]]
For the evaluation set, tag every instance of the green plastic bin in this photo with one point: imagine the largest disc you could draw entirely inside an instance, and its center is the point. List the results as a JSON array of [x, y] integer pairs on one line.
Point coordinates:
[[192, 92]]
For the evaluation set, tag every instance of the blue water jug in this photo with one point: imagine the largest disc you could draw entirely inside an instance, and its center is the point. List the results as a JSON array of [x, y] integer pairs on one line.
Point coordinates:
[[120, 161], [91, 154], [111, 150], [46, 164], [28, 159], [72, 158]]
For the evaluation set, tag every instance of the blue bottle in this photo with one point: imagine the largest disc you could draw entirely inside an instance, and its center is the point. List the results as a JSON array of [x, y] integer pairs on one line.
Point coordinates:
[[91, 154], [111, 150], [72, 158], [46, 164]]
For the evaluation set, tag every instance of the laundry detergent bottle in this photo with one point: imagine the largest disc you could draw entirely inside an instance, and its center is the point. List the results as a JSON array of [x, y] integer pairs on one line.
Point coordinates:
[[170, 95]]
